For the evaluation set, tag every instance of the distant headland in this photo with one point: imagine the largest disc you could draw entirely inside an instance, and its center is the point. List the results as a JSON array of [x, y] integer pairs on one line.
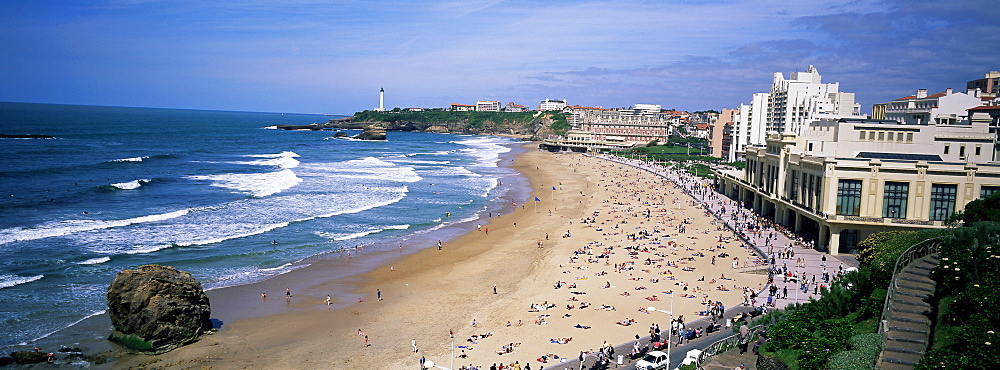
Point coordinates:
[[524, 125]]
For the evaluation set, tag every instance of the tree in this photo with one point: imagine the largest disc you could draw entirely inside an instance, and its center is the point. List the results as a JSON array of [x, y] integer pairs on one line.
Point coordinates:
[[986, 209]]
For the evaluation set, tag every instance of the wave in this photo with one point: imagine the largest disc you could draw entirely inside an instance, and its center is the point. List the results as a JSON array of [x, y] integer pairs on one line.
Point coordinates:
[[134, 184], [94, 261], [256, 216], [279, 155], [92, 314], [68, 227], [368, 168], [7, 281], [284, 160], [486, 150], [134, 159], [140, 159], [250, 276], [342, 237], [258, 184]]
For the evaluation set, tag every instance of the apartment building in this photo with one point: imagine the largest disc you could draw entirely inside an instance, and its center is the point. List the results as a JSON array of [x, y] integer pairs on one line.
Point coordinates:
[[802, 98]]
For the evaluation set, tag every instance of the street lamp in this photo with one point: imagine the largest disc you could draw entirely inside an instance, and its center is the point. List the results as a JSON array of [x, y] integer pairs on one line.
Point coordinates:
[[671, 312]]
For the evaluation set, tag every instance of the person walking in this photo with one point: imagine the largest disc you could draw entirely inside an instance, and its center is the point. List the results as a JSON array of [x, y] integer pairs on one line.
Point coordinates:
[[413, 343]]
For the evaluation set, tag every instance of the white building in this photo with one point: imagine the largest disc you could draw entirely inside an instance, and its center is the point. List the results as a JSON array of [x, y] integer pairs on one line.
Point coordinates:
[[945, 107], [462, 107], [487, 106], [804, 98], [551, 104], [748, 127]]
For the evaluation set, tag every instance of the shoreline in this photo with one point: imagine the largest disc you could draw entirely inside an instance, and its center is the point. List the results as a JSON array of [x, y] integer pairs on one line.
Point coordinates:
[[430, 292], [312, 276]]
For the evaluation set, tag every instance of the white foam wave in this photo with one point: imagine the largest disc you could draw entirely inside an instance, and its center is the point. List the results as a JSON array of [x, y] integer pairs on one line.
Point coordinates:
[[7, 281], [284, 160], [258, 184], [342, 237], [252, 217], [94, 261], [485, 149], [134, 184], [134, 159], [368, 168], [279, 155], [68, 227], [440, 152], [416, 161]]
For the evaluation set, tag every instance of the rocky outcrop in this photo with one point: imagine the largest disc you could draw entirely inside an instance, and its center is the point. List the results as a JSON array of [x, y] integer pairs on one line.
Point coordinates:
[[372, 132], [28, 357], [157, 308], [438, 129]]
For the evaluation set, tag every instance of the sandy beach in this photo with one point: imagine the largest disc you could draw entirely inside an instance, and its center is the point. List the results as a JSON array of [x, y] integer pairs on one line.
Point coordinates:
[[580, 262]]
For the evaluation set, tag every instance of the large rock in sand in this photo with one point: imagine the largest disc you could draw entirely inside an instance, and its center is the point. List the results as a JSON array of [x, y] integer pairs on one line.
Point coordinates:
[[157, 307]]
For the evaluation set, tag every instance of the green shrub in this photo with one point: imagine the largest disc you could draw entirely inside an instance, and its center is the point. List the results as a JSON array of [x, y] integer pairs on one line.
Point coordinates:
[[131, 341]]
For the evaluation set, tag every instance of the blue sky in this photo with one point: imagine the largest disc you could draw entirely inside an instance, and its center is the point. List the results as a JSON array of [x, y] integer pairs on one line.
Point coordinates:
[[333, 56]]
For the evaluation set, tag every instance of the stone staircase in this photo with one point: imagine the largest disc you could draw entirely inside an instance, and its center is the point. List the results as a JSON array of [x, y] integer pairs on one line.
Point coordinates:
[[909, 322]]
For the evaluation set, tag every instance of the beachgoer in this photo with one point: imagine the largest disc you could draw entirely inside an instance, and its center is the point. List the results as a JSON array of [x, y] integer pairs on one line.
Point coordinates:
[[378, 293], [328, 300]]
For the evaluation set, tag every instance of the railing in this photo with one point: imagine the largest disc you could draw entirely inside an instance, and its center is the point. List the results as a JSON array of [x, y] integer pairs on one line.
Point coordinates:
[[727, 344], [917, 251]]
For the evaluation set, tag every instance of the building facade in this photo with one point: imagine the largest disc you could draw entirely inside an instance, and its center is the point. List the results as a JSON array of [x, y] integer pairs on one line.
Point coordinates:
[[551, 104], [946, 107], [842, 180], [718, 134], [462, 107], [487, 106], [792, 103], [988, 86], [512, 107], [748, 126]]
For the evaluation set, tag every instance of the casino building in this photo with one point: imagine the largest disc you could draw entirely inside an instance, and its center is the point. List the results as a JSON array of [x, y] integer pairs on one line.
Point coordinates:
[[842, 179]]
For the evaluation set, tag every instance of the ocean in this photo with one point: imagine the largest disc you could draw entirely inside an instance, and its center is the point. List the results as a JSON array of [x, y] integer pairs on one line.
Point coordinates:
[[214, 193]]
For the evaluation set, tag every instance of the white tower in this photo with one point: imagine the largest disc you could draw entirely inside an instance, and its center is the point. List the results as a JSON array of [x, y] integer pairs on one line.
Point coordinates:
[[381, 100]]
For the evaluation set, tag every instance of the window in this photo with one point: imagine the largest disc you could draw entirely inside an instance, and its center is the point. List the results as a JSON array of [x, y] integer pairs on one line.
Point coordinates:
[[861, 135], [909, 137], [946, 149], [793, 191], [986, 191], [849, 197], [881, 136], [894, 199], [979, 149], [961, 151], [811, 148], [892, 136], [942, 201], [899, 137]]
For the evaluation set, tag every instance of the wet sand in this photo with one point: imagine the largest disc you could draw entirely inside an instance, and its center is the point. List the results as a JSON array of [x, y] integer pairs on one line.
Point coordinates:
[[427, 293]]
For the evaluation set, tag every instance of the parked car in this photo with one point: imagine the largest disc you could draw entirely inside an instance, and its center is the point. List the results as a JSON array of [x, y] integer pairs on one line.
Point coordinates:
[[654, 360]]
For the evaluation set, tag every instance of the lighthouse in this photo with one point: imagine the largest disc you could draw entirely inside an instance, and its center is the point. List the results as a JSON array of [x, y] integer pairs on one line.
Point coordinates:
[[381, 100]]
